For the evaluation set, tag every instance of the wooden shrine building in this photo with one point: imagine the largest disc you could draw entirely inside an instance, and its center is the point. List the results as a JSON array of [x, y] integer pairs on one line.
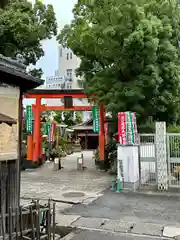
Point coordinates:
[[89, 138], [13, 84]]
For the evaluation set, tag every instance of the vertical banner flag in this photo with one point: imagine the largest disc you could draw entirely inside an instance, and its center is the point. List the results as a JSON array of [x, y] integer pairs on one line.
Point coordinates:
[[96, 120], [106, 129], [135, 128], [29, 117], [127, 128], [47, 128], [106, 132], [52, 131], [122, 127]]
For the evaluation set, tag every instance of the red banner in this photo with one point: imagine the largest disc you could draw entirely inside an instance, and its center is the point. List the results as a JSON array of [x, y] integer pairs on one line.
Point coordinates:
[[106, 129], [52, 131], [106, 132], [122, 127]]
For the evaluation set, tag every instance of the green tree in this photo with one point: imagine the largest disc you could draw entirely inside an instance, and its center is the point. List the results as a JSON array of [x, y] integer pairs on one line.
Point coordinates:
[[68, 117], [23, 27], [129, 55], [36, 72]]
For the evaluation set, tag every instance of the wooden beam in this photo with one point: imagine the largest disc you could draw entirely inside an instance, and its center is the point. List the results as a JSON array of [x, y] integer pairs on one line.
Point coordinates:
[[59, 95], [62, 108]]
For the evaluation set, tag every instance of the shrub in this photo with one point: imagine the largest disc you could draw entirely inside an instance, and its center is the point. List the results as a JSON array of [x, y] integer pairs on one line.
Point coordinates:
[[96, 157], [173, 128], [148, 127]]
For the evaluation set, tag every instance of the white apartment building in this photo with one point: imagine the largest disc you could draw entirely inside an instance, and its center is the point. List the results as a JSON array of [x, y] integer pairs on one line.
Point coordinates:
[[68, 63], [65, 78]]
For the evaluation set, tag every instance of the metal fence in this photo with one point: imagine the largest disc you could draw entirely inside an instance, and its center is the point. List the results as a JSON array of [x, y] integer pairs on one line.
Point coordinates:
[[31, 222], [147, 160], [173, 159]]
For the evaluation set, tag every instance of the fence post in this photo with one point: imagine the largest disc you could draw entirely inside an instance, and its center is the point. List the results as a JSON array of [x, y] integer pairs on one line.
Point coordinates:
[[161, 154]]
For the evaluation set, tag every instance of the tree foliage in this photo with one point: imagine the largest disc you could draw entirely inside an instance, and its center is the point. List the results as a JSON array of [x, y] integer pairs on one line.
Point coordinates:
[[22, 27], [129, 54], [69, 118], [36, 72]]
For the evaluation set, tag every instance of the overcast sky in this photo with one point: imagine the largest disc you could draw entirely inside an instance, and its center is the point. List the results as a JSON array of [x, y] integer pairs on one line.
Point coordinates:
[[49, 63], [63, 9]]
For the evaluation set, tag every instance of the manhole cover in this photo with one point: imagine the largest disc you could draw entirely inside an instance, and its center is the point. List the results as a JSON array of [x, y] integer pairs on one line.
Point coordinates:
[[73, 194]]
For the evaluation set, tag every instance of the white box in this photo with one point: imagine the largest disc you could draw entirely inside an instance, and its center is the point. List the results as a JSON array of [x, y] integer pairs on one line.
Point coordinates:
[[129, 155]]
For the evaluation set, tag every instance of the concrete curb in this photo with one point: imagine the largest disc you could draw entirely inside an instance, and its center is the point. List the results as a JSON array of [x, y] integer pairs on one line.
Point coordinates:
[[152, 193], [69, 236]]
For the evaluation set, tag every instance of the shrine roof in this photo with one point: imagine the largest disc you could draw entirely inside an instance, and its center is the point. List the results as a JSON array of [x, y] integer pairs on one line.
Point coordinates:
[[87, 125], [13, 72], [6, 119]]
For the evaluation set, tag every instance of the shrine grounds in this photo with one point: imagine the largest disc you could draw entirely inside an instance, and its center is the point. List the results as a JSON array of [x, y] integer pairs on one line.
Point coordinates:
[[86, 205]]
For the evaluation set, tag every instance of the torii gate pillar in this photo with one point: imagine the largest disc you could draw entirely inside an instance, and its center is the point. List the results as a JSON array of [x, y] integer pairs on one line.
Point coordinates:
[[102, 137], [37, 128]]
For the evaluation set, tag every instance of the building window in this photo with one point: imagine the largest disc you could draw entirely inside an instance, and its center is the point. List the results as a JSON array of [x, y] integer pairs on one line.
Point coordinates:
[[70, 55], [63, 85], [67, 56], [69, 73], [69, 86]]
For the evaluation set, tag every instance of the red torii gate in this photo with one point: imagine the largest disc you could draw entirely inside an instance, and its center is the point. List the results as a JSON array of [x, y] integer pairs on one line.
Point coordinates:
[[34, 142]]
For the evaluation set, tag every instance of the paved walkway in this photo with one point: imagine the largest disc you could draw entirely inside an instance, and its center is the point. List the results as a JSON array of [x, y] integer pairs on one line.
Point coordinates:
[[127, 216], [67, 184]]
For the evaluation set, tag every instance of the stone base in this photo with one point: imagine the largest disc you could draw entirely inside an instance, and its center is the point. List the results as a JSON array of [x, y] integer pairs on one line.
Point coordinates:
[[57, 164], [30, 164], [77, 148], [101, 165], [131, 186]]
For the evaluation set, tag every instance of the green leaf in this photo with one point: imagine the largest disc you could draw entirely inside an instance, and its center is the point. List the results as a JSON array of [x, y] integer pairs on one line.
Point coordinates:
[[22, 28], [129, 55]]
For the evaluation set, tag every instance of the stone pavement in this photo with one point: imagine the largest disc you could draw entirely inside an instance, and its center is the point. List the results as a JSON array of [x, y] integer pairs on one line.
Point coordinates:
[[81, 204], [98, 235], [129, 215], [68, 184], [128, 229]]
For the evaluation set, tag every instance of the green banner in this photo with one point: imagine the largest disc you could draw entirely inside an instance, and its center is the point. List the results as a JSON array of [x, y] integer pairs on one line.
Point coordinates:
[[130, 128], [96, 120], [47, 128], [29, 118]]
